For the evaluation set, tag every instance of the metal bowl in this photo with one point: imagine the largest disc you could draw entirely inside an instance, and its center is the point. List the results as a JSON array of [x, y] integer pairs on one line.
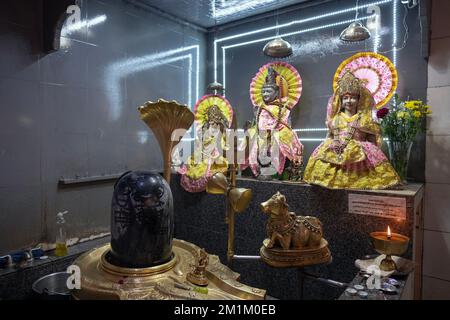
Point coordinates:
[[397, 245], [52, 286]]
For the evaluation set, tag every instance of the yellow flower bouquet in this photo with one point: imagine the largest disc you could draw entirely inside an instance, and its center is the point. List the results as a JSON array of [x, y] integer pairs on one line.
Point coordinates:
[[400, 124]]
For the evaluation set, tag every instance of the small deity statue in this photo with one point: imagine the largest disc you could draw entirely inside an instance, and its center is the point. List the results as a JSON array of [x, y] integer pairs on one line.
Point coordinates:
[[213, 115], [275, 90], [350, 157], [294, 171], [197, 275]]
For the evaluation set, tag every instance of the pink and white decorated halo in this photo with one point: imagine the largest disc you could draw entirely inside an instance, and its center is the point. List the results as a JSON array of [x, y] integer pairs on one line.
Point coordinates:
[[377, 71], [291, 96]]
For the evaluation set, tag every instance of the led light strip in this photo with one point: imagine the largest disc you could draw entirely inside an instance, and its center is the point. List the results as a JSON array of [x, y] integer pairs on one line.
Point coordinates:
[[137, 64], [314, 18], [312, 139], [299, 130], [128, 66], [227, 9], [310, 129], [295, 130], [67, 30], [297, 32], [394, 32], [224, 48], [376, 40], [301, 139], [153, 64]]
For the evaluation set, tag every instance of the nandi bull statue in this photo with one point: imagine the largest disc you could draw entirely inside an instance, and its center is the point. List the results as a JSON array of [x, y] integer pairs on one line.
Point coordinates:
[[292, 240]]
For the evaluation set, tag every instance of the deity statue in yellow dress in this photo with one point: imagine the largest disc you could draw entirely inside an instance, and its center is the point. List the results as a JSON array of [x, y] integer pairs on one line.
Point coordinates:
[[350, 157], [213, 116]]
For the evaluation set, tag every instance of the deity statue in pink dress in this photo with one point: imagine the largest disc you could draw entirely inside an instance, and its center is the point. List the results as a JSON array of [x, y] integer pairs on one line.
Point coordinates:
[[275, 90]]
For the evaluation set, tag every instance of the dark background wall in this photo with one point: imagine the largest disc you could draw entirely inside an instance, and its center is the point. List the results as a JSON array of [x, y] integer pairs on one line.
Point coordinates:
[[317, 54], [74, 112], [201, 221]]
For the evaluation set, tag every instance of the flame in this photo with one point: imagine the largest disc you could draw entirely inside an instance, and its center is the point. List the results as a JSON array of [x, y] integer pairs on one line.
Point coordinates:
[[389, 232]]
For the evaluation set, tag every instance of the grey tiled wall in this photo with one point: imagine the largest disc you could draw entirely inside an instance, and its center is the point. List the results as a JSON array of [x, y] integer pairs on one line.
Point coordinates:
[[74, 112]]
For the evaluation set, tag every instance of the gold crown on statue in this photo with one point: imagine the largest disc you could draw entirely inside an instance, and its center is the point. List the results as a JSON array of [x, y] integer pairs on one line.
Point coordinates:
[[273, 78], [349, 84], [215, 115]]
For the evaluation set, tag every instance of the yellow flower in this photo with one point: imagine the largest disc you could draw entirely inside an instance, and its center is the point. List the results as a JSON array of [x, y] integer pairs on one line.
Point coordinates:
[[401, 115], [417, 114], [410, 105]]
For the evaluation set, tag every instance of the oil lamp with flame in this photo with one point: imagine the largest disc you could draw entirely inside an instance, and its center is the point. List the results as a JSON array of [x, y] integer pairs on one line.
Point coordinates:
[[389, 243]]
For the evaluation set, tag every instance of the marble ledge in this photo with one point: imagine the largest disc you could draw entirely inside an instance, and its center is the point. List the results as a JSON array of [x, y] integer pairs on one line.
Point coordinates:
[[412, 189]]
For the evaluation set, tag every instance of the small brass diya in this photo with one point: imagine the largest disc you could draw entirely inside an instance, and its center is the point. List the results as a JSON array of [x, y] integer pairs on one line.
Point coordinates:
[[389, 244]]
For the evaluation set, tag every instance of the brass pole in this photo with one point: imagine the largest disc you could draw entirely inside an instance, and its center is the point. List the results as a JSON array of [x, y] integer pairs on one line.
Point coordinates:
[[168, 163], [230, 211], [230, 251]]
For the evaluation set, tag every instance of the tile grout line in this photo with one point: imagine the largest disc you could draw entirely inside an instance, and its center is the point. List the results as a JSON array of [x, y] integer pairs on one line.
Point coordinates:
[[438, 87], [440, 38], [440, 231], [436, 278]]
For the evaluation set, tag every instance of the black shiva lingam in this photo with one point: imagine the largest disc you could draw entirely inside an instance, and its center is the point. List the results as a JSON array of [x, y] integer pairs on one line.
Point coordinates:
[[143, 260], [141, 221]]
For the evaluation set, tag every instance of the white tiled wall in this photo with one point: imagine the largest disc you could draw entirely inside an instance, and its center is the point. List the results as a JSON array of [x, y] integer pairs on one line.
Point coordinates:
[[439, 98], [438, 64], [437, 168], [439, 16], [435, 289], [436, 258], [436, 254], [437, 208]]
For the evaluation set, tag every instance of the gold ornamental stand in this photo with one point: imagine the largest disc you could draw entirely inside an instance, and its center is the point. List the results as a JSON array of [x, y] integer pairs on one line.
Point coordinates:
[[101, 280], [237, 199]]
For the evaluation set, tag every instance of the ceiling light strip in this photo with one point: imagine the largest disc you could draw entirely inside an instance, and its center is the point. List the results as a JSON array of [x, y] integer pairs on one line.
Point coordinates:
[[314, 18]]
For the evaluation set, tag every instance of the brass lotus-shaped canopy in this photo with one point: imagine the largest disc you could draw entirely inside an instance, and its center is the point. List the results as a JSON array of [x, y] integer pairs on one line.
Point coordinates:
[[165, 118]]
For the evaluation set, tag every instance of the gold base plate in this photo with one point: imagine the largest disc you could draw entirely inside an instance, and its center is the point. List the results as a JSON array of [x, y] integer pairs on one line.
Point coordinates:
[[280, 258], [100, 280]]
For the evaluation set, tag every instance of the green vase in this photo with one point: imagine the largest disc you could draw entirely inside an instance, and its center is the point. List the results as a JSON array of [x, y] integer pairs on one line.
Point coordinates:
[[399, 152]]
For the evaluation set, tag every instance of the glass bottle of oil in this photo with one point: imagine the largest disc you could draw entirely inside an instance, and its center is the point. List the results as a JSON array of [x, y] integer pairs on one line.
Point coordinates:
[[61, 244]]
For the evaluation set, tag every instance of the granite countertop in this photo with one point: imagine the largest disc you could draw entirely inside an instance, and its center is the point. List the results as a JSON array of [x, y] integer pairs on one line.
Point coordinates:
[[73, 252]]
